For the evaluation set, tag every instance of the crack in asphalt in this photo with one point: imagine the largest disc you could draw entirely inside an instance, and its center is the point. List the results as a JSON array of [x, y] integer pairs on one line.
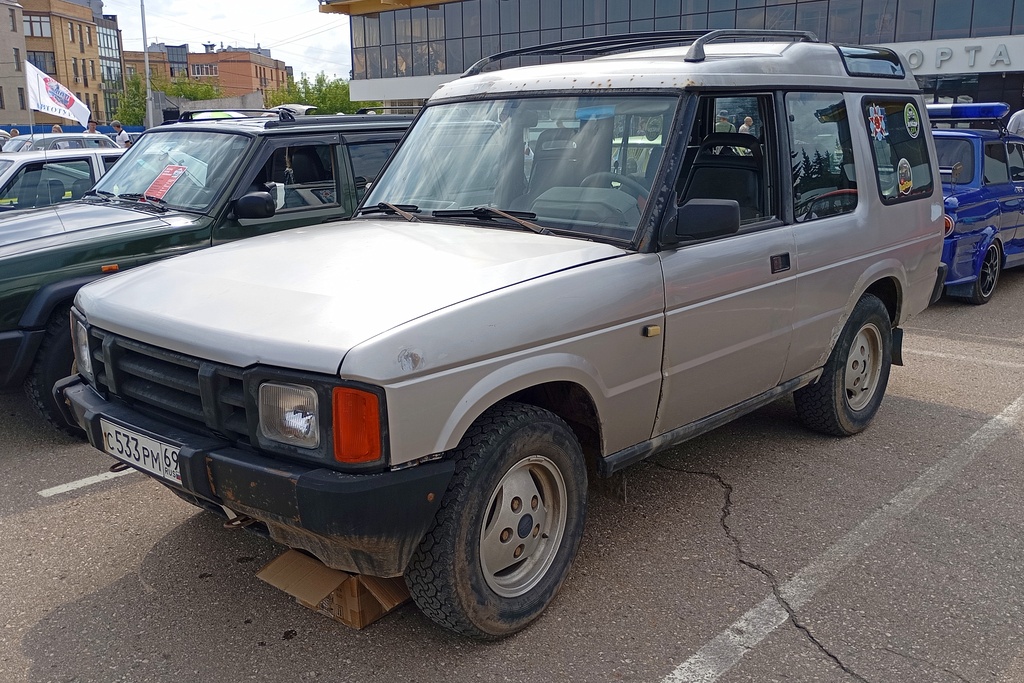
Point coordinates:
[[925, 661], [723, 519]]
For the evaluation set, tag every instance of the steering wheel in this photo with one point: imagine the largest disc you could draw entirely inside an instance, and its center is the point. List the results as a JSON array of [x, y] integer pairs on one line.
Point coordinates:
[[606, 179]]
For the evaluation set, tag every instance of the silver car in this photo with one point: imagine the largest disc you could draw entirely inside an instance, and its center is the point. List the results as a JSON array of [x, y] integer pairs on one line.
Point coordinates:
[[563, 269]]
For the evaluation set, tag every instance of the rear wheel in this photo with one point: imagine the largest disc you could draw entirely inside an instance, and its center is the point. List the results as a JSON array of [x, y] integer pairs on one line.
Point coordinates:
[[851, 387], [988, 277], [509, 525], [54, 361]]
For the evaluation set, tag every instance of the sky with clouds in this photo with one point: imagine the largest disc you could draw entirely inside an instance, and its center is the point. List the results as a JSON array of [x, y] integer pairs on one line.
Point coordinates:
[[296, 32]]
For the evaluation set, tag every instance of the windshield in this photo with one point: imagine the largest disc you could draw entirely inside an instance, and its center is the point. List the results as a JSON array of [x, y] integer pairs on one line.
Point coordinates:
[[575, 164], [186, 169], [16, 144]]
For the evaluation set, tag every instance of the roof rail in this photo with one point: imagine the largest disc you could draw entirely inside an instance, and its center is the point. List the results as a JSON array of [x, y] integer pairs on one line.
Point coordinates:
[[595, 45], [602, 45], [282, 114], [696, 51], [406, 108]]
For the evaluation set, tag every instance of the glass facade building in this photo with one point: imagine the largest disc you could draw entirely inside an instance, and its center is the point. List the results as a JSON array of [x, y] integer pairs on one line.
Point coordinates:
[[447, 38], [112, 77]]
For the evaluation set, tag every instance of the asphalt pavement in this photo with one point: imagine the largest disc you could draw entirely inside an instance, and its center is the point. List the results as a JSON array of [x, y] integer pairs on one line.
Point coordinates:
[[758, 552]]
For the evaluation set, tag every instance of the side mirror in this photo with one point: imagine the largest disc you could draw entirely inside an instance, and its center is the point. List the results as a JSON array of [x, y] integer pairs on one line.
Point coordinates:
[[958, 168], [255, 205], [700, 219]]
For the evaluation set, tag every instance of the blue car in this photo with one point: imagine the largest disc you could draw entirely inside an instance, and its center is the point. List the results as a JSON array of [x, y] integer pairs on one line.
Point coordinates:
[[983, 187]]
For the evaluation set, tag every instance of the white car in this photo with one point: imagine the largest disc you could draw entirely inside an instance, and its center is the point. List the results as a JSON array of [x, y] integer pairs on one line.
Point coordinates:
[[41, 178], [25, 143]]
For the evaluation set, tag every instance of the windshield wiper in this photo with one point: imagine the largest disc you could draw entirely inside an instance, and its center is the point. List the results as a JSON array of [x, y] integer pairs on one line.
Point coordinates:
[[100, 194], [489, 213], [406, 211], [155, 202]]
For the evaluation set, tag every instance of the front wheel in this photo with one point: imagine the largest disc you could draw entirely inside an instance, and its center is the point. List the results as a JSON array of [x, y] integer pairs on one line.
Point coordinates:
[[509, 525], [851, 387], [54, 361]]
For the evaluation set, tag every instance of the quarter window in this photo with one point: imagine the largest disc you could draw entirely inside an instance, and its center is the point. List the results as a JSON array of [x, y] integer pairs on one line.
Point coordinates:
[[824, 172], [899, 147]]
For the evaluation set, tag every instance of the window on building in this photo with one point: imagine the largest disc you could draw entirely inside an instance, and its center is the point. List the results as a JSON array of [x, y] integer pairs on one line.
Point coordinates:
[[81, 43], [71, 32], [44, 61], [38, 27], [74, 67], [824, 177], [88, 34], [900, 149], [3, 104], [92, 68], [21, 98], [17, 59], [14, 19]]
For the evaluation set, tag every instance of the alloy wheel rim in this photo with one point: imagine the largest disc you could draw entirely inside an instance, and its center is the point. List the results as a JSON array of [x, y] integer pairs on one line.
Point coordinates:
[[988, 271], [523, 525]]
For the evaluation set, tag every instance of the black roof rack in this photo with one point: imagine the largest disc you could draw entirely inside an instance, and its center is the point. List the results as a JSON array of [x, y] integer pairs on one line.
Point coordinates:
[[602, 45]]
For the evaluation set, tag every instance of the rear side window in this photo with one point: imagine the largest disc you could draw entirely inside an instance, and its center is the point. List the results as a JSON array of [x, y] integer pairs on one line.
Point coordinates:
[[367, 160], [996, 171], [952, 152], [1016, 156], [899, 147], [824, 175]]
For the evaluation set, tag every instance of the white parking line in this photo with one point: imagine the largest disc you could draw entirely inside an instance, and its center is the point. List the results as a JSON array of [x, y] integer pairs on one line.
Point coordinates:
[[81, 483], [726, 649], [964, 359]]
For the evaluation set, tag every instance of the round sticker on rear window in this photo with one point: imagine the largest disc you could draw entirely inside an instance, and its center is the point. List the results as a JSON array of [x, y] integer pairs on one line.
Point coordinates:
[[912, 120], [905, 176]]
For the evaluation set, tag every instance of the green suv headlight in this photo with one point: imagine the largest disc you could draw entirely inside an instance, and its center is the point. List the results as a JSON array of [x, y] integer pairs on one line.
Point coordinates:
[[289, 414]]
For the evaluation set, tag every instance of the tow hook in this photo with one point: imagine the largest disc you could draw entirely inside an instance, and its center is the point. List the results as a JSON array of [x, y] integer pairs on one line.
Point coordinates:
[[119, 466]]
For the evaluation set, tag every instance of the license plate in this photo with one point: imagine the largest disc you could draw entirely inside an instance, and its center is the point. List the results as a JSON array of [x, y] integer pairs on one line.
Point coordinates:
[[141, 451]]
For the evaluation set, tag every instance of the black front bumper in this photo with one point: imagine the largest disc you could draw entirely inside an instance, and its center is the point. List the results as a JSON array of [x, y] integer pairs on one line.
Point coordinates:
[[365, 523]]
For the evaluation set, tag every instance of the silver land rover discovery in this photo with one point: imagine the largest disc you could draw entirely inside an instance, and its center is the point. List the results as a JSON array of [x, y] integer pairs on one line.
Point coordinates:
[[564, 268]]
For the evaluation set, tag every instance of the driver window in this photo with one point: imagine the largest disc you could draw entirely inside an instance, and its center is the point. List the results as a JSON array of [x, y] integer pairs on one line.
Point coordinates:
[[299, 177]]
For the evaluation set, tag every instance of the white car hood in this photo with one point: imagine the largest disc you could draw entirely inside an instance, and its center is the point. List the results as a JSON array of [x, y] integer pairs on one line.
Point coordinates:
[[302, 298]]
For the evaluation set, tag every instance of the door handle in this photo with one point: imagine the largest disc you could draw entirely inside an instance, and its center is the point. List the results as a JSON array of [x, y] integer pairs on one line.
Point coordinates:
[[780, 263]]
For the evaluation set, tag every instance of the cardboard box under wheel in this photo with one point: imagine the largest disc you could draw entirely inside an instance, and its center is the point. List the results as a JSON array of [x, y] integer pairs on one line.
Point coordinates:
[[355, 600]]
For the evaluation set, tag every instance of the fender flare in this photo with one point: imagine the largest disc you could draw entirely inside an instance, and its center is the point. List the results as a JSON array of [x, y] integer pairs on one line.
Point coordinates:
[[42, 305], [518, 376]]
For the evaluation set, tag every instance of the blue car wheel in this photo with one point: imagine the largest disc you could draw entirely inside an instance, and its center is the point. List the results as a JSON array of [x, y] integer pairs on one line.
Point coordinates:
[[988, 277]]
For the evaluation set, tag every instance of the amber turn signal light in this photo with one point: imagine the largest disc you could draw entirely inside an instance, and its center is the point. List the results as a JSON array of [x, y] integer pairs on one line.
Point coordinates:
[[356, 426]]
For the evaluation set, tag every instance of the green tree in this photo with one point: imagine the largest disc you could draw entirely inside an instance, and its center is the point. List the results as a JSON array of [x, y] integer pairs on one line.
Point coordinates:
[[328, 95], [188, 89], [131, 108]]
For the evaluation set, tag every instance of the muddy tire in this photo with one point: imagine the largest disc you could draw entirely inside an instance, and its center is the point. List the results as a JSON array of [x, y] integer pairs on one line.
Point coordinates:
[[847, 395], [509, 525], [54, 361]]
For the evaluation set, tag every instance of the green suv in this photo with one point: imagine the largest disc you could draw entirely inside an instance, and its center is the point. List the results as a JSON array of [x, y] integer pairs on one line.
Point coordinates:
[[181, 187]]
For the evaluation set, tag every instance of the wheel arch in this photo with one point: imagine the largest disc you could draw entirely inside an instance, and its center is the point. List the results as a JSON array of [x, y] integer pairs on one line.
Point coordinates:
[[568, 386], [49, 297]]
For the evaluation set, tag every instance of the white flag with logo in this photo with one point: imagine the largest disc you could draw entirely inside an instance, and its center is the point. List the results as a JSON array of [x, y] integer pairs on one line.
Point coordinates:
[[45, 94]]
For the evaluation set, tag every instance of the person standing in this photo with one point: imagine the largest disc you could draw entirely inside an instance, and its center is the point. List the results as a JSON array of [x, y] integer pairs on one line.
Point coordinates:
[[56, 129], [1015, 126], [90, 127], [121, 137], [748, 125], [723, 125]]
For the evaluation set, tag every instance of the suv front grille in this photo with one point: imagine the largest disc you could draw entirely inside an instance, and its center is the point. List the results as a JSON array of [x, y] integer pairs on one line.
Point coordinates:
[[203, 396]]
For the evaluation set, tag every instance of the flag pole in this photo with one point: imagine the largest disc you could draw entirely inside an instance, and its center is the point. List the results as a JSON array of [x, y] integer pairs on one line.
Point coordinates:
[[145, 59]]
